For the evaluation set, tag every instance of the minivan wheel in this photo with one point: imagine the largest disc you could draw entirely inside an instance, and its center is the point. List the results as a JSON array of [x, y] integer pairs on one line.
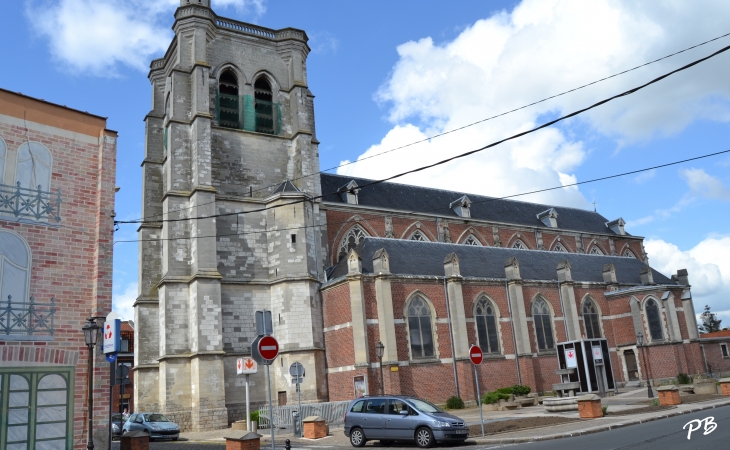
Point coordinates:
[[424, 437], [357, 437]]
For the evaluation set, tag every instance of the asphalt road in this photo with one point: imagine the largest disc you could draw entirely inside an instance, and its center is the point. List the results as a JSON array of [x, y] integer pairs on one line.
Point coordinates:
[[663, 434]]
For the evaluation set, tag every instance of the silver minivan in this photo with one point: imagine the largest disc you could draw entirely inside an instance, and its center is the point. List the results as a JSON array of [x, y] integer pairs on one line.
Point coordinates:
[[391, 418]]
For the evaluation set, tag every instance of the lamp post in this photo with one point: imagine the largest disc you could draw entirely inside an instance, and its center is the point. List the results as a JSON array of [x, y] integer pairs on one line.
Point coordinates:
[[90, 328], [379, 351], [640, 340]]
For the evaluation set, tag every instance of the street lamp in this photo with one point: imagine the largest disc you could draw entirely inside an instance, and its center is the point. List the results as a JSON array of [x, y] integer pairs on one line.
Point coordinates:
[[90, 328], [640, 340], [379, 351]]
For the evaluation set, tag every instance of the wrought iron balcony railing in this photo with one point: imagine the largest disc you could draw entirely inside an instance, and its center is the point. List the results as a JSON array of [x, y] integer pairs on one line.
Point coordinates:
[[20, 202], [31, 321], [244, 112]]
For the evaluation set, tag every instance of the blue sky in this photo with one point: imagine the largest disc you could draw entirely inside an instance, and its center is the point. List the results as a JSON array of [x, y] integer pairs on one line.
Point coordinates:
[[389, 73]]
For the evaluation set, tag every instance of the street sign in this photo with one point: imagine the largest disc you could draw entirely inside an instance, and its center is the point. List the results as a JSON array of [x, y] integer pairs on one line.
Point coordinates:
[[597, 355], [246, 366], [112, 327], [571, 360], [297, 380], [475, 354], [296, 369], [268, 348], [111, 357], [264, 325]]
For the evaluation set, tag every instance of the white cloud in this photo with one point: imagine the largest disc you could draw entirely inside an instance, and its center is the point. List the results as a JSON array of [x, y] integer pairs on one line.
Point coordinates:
[[705, 185], [541, 48], [323, 42], [96, 36], [708, 265], [122, 301]]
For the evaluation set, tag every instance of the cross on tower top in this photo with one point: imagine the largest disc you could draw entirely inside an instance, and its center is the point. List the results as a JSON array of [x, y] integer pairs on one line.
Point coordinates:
[[594, 206]]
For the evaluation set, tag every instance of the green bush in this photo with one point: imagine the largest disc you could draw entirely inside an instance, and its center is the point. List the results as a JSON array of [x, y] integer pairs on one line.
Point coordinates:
[[655, 402], [519, 389], [254, 416], [605, 410], [504, 390], [455, 402], [494, 397], [683, 378]]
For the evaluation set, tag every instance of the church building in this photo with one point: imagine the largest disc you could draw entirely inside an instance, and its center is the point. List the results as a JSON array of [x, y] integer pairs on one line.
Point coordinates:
[[238, 219]]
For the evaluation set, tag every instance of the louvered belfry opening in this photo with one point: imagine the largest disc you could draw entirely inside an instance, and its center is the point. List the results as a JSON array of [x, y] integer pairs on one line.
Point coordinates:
[[264, 106], [229, 101]]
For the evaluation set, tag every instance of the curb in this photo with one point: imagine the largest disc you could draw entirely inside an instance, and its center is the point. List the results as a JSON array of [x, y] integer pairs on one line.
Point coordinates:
[[518, 440]]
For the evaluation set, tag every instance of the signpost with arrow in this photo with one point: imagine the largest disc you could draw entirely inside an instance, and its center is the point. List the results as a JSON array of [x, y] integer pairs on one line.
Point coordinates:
[[296, 370], [476, 356], [264, 350], [247, 366]]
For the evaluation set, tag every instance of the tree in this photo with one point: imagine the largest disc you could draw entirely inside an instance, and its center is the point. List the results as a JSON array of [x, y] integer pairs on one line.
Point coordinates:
[[710, 322]]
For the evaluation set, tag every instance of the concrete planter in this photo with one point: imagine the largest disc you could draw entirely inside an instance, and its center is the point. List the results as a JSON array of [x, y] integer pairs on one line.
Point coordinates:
[[669, 395], [589, 406], [490, 407], [559, 404], [725, 387], [704, 385]]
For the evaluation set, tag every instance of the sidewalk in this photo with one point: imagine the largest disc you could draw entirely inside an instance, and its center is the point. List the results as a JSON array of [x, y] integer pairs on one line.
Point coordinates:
[[625, 401]]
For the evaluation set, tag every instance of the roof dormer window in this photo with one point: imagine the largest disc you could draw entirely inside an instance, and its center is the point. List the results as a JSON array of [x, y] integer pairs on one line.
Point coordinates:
[[348, 192], [461, 207], [617, 226], [549, 218]]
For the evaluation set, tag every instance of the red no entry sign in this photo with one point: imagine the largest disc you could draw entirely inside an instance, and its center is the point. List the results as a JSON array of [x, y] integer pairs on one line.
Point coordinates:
[[475, 354], [268, 348]]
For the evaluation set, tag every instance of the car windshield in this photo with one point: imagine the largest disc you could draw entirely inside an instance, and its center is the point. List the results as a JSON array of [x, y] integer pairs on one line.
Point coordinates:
[[155, 418], [424, 406]]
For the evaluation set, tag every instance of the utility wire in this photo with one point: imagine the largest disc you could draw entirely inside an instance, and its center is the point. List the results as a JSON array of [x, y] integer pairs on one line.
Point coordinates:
[[420, 213], [478, 121], [462, 155]]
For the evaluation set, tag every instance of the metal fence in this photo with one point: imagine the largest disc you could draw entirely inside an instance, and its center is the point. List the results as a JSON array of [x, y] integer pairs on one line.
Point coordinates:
[[332, 412], [27, 320]]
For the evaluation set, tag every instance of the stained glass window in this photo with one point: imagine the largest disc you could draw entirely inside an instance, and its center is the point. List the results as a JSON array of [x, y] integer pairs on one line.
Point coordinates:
[[487, 322], [419, 328], [543, 325]]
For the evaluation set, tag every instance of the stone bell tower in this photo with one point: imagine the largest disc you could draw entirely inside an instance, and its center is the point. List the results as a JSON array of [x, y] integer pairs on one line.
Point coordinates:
[[230, 224]]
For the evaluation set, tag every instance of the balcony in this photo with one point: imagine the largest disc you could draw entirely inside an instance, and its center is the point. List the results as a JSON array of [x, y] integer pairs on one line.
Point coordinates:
[[35, 204], [27, 321], [244, 112]]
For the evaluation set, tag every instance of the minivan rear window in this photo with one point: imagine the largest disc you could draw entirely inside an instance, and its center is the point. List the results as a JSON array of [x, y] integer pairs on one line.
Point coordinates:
[[375, 406], [357, 407]]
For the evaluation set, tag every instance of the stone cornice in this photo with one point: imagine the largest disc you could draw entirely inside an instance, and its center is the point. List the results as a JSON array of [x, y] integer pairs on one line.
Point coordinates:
[[192, 355], [187, 279], [196, 116], [641, 289], [146, 301]]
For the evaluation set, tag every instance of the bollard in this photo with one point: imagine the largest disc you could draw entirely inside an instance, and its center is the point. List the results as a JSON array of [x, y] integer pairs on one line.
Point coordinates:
[[287, 444]]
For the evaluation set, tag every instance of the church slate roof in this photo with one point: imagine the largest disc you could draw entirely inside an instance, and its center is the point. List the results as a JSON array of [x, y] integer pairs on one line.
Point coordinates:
[[427, 259], [405, 197]]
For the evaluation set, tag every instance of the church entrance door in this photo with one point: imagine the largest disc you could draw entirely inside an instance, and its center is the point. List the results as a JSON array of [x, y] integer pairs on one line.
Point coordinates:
[[282, 398], [631, 367]]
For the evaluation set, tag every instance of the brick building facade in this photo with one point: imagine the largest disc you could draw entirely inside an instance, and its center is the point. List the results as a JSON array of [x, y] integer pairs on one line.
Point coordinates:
[[232, 135], [57, 173]]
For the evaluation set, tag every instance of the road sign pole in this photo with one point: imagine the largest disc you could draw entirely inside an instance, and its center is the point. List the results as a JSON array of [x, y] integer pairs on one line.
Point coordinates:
[[271, 408], [479, 398], [249, 425], [301, 416]]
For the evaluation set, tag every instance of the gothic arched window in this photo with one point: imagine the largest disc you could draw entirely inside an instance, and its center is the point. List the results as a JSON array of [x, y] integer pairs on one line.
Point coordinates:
[[34, 166], [559, 248], [419, 328], [486, 320], [229, 103], [418, 236], [519, 245], [591, 319], [654, 320], [15, 263], [264, 106], [629, 254], [543, 325], [595, 250], [351, 240], [471, 240]]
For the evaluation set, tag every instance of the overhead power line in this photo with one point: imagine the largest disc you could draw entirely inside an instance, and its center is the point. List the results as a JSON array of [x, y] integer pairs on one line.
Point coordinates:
[[478, 121], [462, 155], [420, 213]]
